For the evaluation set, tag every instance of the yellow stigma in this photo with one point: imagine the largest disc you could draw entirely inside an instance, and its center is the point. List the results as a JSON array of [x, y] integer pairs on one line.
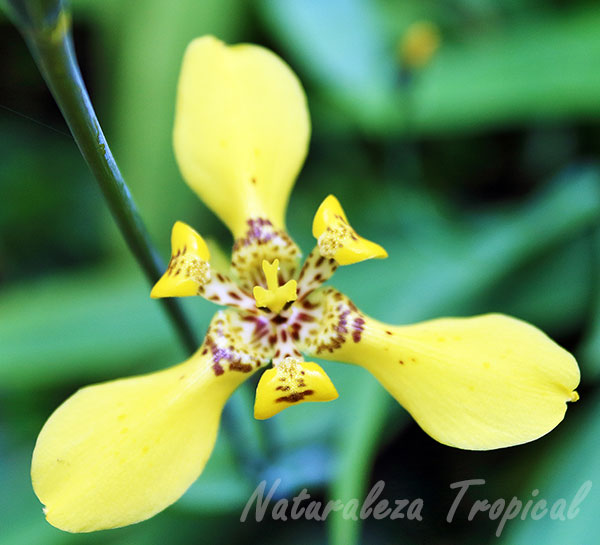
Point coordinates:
[[289, 383], [275, 297]]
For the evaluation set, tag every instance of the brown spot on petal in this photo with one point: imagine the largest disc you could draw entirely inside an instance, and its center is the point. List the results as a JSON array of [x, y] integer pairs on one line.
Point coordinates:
[[239, 366], [294, 398]]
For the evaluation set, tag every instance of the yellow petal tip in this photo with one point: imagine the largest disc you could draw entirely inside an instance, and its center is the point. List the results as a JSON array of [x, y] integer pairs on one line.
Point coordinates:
[[574, 397], [188, 268], [290, 383]]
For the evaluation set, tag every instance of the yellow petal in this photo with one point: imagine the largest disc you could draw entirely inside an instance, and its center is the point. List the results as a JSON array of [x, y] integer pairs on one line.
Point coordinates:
[[289, 383], [117, 453], [475, 383], [241, 130], [336, 238], [188, 269]]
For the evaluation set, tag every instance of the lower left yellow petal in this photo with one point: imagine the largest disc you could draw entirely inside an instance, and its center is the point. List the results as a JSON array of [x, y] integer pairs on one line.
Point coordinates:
[[117, 453]]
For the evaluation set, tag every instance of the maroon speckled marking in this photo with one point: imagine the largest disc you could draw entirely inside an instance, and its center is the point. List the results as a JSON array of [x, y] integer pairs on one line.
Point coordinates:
[[239, 366], [357, 327], [255, 233]]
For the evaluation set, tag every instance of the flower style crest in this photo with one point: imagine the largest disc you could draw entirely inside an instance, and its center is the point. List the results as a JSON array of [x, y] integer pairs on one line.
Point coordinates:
[[117, 453]]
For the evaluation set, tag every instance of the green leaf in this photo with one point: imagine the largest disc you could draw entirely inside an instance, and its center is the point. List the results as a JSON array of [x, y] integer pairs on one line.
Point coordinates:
[[356, 453], [84, 326], [561, 474], [523, 70]]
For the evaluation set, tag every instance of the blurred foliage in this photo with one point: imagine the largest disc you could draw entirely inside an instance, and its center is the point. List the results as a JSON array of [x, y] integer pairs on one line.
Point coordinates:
[[479, 173]]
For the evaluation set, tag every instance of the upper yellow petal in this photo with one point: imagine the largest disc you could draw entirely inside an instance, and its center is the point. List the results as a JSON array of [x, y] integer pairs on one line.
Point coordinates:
[[475, 383], [241, 130], [336, 238]]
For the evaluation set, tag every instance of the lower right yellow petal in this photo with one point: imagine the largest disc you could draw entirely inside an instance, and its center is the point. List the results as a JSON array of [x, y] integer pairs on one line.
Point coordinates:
[[475, 383]]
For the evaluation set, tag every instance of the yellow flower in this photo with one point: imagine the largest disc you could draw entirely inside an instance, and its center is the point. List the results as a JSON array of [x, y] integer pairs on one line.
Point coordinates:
[[117, 453]]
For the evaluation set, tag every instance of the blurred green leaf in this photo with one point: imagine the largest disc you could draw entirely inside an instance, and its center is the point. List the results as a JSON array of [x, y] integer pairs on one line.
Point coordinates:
[[84, 326], [560, 474], [444, 267], [531, 293], [356, 454], [222, 487], [542, 67], [339, 44], [590, 346]]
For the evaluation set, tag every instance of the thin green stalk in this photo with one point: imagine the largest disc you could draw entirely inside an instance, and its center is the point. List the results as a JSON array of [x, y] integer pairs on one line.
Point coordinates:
[[46, 29]]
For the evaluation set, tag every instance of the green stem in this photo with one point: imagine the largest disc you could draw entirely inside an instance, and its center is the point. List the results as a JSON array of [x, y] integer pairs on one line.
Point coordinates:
[[46, 29]]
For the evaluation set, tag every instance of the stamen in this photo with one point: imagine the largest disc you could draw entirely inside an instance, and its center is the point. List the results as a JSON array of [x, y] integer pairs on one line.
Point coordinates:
[[331, 239], [316, 269], [222, 290], [233, 344], [334, 320]]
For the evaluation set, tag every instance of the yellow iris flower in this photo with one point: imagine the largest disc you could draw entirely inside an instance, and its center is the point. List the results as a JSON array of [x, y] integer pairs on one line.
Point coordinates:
[[117, 453]]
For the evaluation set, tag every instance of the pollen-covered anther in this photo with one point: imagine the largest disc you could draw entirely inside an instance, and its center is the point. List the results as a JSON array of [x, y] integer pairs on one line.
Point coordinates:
[[337, 240], [188, 271], [274, 297], [330, 240], [197, 269], [291, 382]]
